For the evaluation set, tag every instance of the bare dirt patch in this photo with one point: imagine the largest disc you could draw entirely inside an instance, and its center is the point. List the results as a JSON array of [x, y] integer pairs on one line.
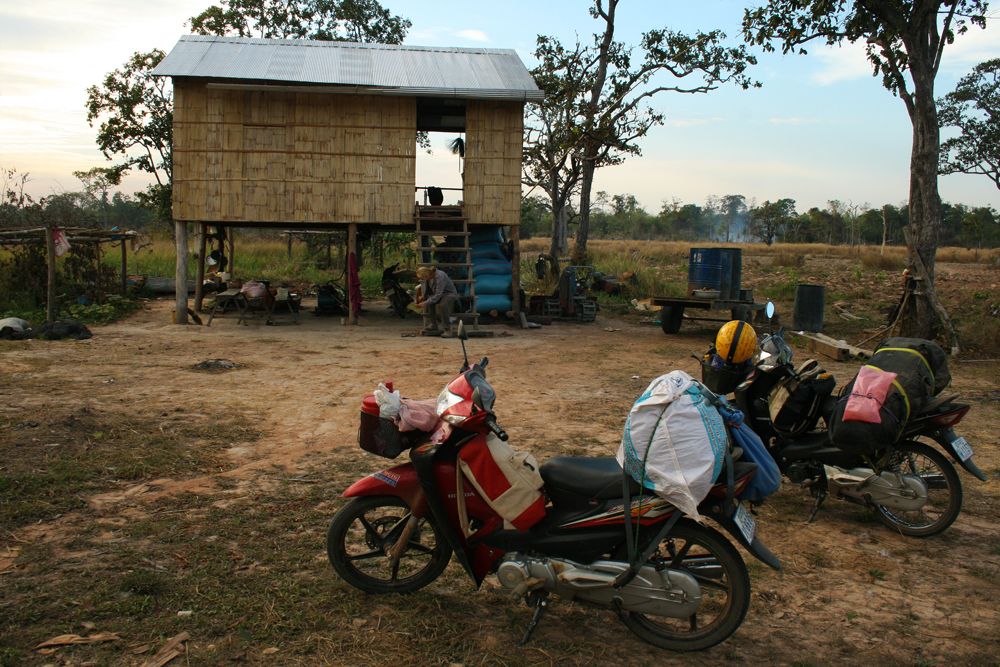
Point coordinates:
[[210, 493]]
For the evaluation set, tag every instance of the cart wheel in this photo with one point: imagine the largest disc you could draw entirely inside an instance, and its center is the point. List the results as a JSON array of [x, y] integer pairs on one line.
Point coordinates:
[[744, 313], [670, 319]]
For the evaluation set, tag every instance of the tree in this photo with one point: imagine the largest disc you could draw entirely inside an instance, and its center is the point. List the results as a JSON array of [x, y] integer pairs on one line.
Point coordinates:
[[769, 220], [974, 108], [328, 20], [134, 111], [616, 87], [734, 211], [551, 158], [904, 42]]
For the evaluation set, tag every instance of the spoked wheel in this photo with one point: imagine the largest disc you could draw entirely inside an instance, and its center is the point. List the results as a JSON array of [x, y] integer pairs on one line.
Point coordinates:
[[944, 491], [725, 588], [362, 534]]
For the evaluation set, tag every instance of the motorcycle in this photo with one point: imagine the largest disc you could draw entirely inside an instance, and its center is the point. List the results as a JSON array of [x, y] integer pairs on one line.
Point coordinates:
[[675, 583], [910, 485], [398, 297]]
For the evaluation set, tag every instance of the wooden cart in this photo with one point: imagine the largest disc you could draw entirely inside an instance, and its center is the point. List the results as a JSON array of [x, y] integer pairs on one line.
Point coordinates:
[[672, 310]]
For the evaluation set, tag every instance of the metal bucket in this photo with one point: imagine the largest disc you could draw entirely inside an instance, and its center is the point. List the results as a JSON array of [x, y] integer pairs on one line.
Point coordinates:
[[808, 310]]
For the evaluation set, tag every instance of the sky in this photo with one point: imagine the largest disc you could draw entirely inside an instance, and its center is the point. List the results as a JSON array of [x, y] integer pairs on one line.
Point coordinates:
[[820, 128]]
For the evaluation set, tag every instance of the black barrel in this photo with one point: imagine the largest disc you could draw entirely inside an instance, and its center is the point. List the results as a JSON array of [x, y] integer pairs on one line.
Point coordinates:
[[731, 262], [809, 303]]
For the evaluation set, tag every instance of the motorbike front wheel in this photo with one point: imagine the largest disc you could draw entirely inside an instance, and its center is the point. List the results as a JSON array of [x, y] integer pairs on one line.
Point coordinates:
[[725, 588], [944, 491], [361, 535]]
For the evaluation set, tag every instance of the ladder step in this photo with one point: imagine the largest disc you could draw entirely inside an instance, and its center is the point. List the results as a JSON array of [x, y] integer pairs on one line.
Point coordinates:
[[434, 248]]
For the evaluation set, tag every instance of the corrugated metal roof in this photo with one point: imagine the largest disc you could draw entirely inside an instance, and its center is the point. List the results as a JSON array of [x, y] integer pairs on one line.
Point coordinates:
[[393, 69]]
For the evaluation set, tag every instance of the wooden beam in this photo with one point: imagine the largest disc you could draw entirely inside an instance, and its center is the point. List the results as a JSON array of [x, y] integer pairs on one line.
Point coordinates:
[[515, 270], [199, 284], [352, 242], [50, 262], [124, 269], [232, 252], [180, 275], [838, 350]]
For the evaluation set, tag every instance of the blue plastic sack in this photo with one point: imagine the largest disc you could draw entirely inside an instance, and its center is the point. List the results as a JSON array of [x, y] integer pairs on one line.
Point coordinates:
[[767, 479], [493, 284], [493, 267]]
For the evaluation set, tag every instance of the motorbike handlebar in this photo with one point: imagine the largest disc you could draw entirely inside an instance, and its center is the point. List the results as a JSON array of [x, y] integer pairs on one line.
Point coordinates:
[[491, 422]]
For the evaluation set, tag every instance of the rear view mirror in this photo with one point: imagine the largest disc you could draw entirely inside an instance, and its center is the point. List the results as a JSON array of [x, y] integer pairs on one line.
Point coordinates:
[[769, 309], [462, 334]]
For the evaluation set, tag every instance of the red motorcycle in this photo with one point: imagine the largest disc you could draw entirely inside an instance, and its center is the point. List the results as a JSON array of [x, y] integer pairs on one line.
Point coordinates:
[[675, 583]]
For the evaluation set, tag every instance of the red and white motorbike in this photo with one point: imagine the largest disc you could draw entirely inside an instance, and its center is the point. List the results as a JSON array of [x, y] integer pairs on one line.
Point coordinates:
[[675, 583]]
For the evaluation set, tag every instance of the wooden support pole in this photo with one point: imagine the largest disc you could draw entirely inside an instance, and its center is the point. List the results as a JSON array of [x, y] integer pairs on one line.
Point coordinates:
[[515, 270], [199, 284], [352, 240], [50, 262], [289, 245], [180, 275], [232, 251], [124, 268]]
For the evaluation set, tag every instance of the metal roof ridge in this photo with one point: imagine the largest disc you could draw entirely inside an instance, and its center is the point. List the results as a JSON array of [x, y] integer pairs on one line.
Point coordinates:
[[320, 43]]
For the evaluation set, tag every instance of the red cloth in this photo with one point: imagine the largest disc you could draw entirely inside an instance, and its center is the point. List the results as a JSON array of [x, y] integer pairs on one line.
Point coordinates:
[[353, 283]]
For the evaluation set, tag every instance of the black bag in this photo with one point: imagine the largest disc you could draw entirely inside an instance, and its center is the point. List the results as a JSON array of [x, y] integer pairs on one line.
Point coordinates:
[[794, 404], [435, 196], [863, 437], [381, 436], [934, 359]]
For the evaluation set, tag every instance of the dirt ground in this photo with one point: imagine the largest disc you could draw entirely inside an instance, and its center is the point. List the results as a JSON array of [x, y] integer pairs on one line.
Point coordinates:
[[255, 505]]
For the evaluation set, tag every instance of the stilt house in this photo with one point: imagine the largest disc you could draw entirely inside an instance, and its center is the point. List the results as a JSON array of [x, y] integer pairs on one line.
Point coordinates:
[[322, 135]]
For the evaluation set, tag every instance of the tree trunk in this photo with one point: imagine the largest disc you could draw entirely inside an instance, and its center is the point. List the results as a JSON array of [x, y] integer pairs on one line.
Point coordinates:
[[919, 318], [560, 230], [583, 229]]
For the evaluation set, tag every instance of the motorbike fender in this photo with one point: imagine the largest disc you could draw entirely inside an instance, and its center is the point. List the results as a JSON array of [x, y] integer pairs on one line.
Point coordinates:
[[400, 481], [756, 547], [944, 439]]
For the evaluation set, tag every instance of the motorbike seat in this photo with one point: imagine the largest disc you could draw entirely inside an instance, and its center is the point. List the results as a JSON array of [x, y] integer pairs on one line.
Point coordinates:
[[589, 476]]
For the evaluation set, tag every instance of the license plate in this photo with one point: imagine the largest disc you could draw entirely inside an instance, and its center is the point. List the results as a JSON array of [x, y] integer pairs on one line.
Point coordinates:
[[745, 522], [962, 448]]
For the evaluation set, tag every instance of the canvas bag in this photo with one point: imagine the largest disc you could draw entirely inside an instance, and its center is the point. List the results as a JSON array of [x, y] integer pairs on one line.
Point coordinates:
[[674, 441], [508, 481]]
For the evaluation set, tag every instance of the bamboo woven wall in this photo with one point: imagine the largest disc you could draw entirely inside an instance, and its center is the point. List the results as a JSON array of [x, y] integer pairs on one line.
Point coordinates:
[[492, 186], [279, 157]]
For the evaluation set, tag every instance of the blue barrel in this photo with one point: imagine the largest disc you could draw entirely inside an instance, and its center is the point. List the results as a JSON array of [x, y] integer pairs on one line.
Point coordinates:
[[704, 269], [808, 310], [731, 273]]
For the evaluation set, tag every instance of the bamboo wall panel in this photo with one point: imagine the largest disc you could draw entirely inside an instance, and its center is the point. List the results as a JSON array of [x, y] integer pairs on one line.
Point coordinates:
[[492, 185], [256, 156]]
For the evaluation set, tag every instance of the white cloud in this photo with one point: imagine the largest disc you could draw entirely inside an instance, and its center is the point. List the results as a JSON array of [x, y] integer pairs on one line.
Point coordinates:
[[840, 63], [472, 35]]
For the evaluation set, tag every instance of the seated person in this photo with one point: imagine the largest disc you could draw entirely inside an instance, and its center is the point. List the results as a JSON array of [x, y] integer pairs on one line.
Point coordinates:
[[441, 299]]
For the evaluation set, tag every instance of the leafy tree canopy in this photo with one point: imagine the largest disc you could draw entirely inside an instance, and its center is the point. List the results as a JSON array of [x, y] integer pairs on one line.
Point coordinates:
[[974, 108], [330, 20]]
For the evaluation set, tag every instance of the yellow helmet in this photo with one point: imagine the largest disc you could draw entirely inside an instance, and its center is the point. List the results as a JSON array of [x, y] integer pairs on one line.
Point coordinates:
[[736, 342]]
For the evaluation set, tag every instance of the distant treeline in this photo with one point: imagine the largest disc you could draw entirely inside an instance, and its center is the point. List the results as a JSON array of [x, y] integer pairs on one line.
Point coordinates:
[[735, 218]]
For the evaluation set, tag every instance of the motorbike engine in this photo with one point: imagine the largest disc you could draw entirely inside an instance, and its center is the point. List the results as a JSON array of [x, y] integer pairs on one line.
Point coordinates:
[[889, 489], [667, 592]]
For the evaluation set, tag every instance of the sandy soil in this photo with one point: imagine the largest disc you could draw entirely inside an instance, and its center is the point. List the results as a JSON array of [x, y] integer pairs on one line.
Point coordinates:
[[850, 590]]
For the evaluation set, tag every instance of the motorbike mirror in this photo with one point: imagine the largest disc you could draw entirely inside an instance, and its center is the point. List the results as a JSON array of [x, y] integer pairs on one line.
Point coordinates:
[[462, 333], [769, 309]]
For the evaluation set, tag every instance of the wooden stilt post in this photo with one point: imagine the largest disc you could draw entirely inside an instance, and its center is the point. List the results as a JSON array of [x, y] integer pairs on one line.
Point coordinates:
[[124, 268], [50, 261], [289, 245], [352, 239], [515, 270], [180, 275], [232, 252], [199, 284]]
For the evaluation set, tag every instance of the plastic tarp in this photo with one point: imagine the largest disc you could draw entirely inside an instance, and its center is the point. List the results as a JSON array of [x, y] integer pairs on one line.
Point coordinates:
[[674, 441]]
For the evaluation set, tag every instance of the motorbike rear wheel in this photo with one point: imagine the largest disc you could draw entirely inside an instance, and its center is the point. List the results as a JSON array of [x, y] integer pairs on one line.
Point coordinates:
[[361, 534], [725, 587], [944, 491]]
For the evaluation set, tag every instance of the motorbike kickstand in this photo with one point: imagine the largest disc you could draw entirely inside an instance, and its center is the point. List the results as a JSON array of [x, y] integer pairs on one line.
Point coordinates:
[[538, 600], [819, 491]]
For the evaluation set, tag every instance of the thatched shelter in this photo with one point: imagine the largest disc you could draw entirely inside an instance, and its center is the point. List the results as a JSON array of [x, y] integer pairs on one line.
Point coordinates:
[[322, 135]]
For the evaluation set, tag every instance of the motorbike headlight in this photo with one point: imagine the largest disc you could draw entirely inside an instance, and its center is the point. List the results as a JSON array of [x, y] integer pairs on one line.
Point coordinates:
[[445, 400]]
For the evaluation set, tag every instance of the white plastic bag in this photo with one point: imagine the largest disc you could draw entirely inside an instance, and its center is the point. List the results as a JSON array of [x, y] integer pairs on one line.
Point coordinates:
[[388, 402], [674, 441]]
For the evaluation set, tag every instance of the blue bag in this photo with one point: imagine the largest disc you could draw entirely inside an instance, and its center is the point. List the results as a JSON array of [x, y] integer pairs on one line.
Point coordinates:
[[767, 479]]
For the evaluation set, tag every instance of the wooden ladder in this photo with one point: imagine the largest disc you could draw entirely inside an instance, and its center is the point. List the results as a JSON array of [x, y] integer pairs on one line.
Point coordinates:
[[435, 221]]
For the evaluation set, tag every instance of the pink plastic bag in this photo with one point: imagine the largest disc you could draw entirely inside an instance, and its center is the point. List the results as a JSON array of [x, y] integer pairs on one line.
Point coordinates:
[[417, 415], [870, 389]]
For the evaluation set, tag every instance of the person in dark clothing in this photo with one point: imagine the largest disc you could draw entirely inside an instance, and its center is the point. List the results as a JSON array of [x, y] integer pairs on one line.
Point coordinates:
[[438, 299]]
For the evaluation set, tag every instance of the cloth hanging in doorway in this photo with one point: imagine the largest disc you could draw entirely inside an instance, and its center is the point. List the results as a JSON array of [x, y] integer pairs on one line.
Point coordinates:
[[353, 282]]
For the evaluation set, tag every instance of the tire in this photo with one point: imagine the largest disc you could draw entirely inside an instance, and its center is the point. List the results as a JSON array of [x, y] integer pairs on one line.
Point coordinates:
[[725, 586], [944, 492], [365, 528], [670, 319]]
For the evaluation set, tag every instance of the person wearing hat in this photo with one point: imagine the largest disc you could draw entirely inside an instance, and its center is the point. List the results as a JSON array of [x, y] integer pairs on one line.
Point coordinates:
[[439, 302]]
